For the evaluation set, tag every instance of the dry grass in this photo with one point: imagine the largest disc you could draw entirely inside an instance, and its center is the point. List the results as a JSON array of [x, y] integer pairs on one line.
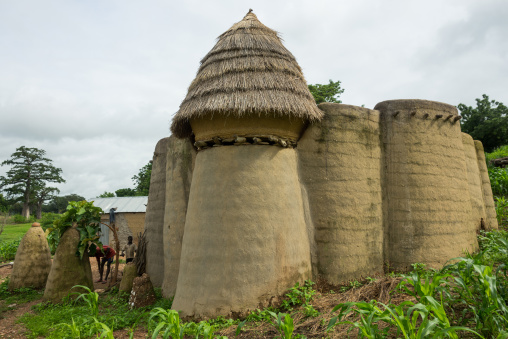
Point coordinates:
[[324, 301], [248, 71]]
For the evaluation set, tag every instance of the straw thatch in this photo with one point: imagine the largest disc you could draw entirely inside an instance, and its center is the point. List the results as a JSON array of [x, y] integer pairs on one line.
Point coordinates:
[[248, 71]]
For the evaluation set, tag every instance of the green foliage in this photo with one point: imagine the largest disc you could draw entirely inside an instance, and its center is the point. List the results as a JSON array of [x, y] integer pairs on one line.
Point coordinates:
[[106, 195], [326, 93], [284, 324], [487, 122], [48, 219], [125, 192], [59, 204], [142, 180], [298, 295], [502, 211], [87, 218], [4, 204], [500, 152], [14, 231], [8, 249], [499, 180], [91, 298], [29, 173], [166, 322], [19, 219]]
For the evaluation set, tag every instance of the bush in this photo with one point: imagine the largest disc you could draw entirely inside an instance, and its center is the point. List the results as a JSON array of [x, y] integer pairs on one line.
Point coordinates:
[[500, 152], [499, 180], [8, 249], [48, 219], [19, 219]]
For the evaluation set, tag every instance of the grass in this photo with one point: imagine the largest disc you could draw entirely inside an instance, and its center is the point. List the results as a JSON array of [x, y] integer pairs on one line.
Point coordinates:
[[14, 232]]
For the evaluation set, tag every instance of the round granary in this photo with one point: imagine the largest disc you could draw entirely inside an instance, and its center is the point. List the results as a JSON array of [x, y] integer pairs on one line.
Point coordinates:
[[249, 84], [475, 182], [340, 166], [426, 191], [33, 260]]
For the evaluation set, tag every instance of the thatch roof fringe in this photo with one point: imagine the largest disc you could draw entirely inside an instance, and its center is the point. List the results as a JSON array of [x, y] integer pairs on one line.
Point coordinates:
[[248, 71]]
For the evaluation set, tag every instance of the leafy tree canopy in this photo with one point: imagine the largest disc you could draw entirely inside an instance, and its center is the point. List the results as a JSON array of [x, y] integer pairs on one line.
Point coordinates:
[[326, 93], [142, 180], [30, 170], [487, 122], [125, 192], [106, 195], [4, 204], [59, 204]]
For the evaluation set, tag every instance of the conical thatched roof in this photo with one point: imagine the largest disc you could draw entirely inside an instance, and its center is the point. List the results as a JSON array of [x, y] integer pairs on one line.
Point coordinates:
[[248, 71]]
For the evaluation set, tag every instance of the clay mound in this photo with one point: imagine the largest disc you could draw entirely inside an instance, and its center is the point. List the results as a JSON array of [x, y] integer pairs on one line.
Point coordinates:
[[142, 293], [129, 273], [33, 260], [67, 269]]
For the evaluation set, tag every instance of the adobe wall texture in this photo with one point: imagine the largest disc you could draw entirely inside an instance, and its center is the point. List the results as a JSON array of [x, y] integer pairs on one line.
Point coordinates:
[[128, 224], [340, 165], [245, 235], [426, 192], [474, 181], [154, 219], [179, 165], [488, 197]]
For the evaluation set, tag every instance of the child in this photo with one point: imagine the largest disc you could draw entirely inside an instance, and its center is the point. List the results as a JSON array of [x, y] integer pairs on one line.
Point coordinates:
[[129, 249], [107, 257]]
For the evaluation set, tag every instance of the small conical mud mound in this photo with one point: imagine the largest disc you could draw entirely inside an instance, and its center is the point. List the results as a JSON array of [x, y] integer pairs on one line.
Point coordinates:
[[142, 293], [67, 269], [33, 260], [129, 273]]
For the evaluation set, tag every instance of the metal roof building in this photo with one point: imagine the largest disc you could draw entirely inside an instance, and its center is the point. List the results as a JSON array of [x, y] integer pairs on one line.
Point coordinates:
[[123, 204]]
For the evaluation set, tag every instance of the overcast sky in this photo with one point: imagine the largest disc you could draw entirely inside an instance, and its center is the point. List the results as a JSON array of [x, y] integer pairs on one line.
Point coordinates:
[[96, 83]]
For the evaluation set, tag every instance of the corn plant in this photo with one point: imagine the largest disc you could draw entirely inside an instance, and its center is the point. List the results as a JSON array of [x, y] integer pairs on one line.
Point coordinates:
[[167, 320], [74, 329], [502, 211], [284, 324], [91, 298], [105, 331], [424, 284]]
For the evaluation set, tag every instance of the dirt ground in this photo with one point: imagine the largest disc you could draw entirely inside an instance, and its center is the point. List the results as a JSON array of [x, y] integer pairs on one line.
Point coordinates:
[[10, 329]]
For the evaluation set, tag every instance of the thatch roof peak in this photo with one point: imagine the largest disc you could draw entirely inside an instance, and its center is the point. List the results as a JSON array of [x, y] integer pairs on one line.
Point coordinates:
[[248, 71]]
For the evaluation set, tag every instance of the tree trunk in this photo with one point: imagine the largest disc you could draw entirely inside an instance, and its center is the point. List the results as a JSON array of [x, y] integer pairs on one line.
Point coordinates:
[[38, 213], [26, 210]]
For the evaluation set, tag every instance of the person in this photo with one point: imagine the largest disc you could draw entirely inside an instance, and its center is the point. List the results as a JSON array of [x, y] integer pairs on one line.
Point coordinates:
[[107, 255], [129, 250]]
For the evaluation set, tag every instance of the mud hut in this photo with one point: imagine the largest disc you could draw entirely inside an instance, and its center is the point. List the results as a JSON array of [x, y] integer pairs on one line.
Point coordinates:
[[249, 92]]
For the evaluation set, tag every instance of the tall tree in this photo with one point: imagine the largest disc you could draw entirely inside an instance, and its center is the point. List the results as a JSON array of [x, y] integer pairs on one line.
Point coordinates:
[[59, 204], [106, 195], [30, 169], [142, 180], [326, 93], [41, 195], [487, 122]]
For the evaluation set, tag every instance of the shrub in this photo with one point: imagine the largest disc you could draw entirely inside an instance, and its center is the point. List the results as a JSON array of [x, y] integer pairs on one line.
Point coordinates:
[[499, 180], [8, 249], [48, 219], [502, 211], [500, 152], [19, 219]]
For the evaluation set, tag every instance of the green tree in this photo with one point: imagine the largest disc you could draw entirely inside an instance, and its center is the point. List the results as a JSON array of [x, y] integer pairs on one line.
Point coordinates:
[[125, 192], [487, 122], [30, 170], [106, 195], [59, 204], [326, 93], [42, 194], [142, 180], [4, 204]]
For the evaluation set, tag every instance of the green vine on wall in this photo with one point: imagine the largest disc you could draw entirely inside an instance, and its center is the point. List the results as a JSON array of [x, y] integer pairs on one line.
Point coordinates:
[[86, 217]]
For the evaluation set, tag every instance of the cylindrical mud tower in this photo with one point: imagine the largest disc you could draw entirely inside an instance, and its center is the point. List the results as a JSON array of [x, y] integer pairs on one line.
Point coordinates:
[[475, 183], [245, 237], [340, 166], [488, 198], [179, 165], [426, 195], [154, 218]]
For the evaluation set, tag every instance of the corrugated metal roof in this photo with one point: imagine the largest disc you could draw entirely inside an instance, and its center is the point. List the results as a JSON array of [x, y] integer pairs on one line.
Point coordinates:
[[123, 204]]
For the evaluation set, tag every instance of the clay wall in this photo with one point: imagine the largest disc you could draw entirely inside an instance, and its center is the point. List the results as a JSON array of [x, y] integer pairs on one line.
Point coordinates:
[[488, 197], [340, 166], [179, 164], [474, 181], [426, 198], [245, 237], [154, 219]]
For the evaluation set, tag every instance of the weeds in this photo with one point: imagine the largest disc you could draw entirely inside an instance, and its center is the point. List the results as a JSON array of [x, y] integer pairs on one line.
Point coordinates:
[[8, 249]]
